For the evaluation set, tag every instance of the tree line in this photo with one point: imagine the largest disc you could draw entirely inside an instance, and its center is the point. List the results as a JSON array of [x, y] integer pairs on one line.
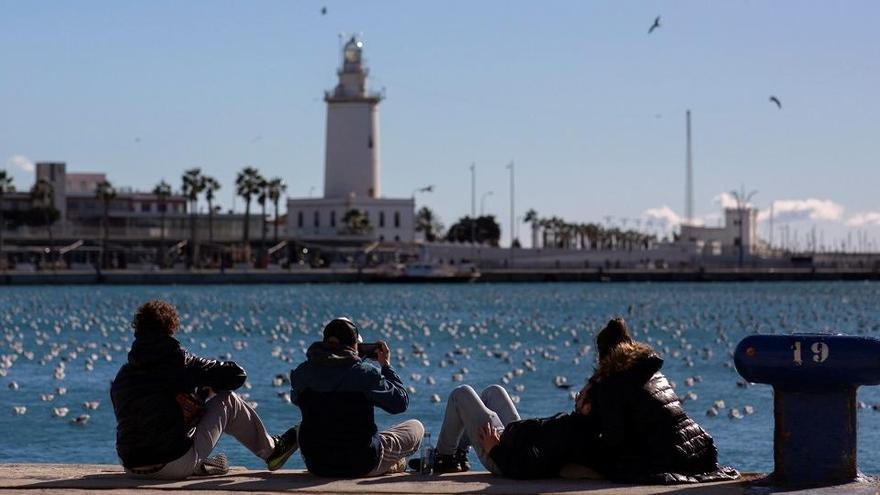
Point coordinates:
[[558, 233], [551, 232]]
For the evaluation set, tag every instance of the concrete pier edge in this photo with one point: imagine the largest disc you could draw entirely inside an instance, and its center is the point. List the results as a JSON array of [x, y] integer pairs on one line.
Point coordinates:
[[83, 478]]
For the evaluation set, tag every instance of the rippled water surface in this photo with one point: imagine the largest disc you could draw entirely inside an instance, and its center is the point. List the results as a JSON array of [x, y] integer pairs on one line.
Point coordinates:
[[482, 332]]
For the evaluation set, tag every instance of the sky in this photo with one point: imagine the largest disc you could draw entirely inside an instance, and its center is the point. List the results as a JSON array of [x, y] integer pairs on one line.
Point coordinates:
[[587, 104]]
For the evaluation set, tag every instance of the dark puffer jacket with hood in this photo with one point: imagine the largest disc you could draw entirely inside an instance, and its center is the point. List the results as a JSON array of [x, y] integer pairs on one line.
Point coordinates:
[[149, 422], [336, 392], [644, 433]]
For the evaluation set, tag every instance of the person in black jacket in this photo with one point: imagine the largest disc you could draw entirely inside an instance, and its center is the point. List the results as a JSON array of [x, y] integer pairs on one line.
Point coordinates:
[[336, 391], [645, 436], [162, 428], [508, 446]]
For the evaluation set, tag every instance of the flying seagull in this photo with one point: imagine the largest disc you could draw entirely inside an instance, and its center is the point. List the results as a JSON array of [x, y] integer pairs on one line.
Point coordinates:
[[655, 25], [774, 99]]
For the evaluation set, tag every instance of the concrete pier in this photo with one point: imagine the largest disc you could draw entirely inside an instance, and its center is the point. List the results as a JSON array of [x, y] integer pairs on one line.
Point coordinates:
[[83, 478]]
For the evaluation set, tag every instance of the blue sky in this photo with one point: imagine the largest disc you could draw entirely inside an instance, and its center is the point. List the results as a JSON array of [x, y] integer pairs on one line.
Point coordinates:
[[589, 106]]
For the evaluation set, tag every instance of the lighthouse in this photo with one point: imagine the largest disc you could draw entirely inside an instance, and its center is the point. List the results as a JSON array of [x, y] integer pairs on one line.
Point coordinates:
[[352, 208], [352, 145]]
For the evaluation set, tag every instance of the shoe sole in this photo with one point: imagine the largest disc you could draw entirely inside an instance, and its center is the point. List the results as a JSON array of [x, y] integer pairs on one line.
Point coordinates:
[[278, 463]]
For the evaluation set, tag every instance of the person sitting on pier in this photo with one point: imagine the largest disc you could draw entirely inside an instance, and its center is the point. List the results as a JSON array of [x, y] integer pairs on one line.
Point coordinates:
[[336, 390], [508, 446], [645, 436], [164, 430]]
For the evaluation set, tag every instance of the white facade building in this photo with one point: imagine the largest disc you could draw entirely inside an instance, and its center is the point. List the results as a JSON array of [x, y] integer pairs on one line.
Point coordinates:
[[351, 168], [740, 225]]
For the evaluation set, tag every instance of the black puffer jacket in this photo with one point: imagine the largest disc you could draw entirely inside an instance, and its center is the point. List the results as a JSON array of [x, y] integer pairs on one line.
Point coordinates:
[[645, 434], [538, 448], [149, 422]]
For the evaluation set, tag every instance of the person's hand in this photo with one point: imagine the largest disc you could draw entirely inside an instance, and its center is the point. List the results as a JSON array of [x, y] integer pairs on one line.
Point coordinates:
[[489, 437], [383, 354], [582, 402]]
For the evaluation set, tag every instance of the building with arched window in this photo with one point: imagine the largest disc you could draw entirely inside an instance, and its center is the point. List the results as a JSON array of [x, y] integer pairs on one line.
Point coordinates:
[[353, 206]]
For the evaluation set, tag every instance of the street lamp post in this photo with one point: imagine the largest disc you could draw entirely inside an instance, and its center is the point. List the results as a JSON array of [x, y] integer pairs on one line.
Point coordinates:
[[510, 167], [473, 202], [425, 189]]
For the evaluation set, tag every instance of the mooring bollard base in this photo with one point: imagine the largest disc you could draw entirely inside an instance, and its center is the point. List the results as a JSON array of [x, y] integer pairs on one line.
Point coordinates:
[[815, 439], [861, 485]]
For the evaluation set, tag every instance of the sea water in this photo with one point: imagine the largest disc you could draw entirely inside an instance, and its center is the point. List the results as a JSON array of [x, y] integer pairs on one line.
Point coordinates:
[[531, 336]]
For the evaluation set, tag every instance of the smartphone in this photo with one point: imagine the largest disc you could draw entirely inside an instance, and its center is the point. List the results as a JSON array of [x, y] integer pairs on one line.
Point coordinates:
[[368, 351]]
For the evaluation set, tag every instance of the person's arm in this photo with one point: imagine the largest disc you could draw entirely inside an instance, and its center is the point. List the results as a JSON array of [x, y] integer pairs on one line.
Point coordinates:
[[295, 389], [386, 389], [219, 375], [609, 414]]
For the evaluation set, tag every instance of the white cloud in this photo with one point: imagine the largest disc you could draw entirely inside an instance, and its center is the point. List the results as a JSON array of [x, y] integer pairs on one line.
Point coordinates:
[[864, 219], [20, 162], [725, 200], [663, 216], [793, 210]]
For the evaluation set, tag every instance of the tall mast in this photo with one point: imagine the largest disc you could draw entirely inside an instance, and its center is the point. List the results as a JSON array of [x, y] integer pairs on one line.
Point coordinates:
[[689, 180]]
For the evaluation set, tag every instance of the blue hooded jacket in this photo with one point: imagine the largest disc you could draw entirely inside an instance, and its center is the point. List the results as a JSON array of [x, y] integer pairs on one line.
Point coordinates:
[[336, 392]]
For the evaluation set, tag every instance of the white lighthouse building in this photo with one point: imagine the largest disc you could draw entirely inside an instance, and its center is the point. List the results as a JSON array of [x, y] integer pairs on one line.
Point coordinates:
[[352, 206]]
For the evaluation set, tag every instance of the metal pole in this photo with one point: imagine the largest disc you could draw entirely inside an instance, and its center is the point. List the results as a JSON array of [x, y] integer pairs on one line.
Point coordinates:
[[771, 224], [689, 180], [512, 206], [473, 202]]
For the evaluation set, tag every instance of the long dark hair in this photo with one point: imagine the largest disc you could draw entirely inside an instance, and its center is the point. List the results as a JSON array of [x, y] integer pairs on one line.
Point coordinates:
[[614, 334]]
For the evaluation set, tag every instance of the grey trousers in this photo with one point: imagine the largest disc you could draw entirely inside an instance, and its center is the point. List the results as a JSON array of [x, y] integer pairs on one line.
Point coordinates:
[[467, 412], [225, 412], [398, 442]]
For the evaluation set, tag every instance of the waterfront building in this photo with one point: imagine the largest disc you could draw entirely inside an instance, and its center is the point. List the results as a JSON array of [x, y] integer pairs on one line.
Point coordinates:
[[352, 207], [740, 227], [138, 222]]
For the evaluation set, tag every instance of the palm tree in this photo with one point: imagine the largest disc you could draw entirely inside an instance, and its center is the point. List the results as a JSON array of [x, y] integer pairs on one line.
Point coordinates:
[[262, 199], [277, 187], [428, 223], [593, 232], [544, 226], [162, 192], [211, 186], [44, 193], [532, 218], [192, 186], [105, 192], [356, 222], [6, 186], [247, 184]]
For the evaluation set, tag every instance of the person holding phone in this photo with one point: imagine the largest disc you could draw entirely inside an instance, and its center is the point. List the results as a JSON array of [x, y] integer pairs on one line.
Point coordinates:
[[337, 389]]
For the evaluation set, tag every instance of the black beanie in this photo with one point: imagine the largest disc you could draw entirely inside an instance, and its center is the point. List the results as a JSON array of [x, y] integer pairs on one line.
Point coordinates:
[[342, 330]]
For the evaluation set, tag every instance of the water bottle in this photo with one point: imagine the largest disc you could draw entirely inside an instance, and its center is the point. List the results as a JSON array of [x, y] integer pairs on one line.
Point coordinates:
[[427, 460]]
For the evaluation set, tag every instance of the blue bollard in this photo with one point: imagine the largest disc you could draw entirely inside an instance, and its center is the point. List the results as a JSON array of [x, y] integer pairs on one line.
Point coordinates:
[[814, 379]]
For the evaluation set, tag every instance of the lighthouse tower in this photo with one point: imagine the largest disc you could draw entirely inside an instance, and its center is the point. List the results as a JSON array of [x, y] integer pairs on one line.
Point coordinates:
[[351, 165], [352, 209]]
